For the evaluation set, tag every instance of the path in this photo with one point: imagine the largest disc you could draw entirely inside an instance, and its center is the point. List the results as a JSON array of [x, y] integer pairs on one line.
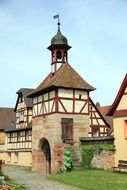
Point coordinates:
[[34, 180]]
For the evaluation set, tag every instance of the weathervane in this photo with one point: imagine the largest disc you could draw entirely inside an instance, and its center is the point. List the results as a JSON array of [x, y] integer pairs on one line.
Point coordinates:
[[57, 17]]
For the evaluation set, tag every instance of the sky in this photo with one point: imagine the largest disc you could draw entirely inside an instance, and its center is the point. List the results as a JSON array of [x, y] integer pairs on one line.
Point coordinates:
[[96, 30]]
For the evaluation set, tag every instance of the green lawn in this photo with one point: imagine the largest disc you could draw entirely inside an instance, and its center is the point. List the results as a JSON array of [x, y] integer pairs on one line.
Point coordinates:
[[93, 179]]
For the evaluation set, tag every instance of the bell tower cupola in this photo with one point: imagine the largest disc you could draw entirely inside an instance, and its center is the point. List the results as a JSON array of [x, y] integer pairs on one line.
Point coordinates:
[[59, 49]]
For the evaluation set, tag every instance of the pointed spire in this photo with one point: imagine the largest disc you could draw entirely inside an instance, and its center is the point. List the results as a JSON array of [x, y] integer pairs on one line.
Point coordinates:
[[58, 23]]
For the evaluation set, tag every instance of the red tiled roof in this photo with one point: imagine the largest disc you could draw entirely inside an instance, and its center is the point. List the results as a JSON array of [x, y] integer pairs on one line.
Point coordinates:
[[103, 109], [7, 116], [65, 77]]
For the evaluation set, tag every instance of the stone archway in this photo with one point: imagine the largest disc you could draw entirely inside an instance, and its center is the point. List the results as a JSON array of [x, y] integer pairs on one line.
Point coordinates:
[[45, 148]]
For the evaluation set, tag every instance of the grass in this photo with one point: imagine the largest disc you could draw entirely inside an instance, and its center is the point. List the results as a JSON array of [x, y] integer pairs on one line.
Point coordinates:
[[93, 179]]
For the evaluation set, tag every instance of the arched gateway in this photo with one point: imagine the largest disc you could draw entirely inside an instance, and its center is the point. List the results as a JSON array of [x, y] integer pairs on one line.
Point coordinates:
[[46, 153]]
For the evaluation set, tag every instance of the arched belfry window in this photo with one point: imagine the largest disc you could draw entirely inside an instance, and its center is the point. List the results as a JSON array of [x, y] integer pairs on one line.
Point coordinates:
[[53, 56], [59, 54]]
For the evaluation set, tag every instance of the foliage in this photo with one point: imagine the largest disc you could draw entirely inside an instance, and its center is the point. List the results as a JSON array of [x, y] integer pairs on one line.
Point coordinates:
[[93, 179], [88, 152], [87, 156], [68, 161], [15, 185]]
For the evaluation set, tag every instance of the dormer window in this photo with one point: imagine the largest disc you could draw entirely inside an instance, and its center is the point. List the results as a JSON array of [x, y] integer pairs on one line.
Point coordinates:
[[21, 116]]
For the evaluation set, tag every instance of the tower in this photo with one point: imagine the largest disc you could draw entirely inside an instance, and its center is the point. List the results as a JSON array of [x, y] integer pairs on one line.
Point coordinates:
[[60, 109], [59, 50]]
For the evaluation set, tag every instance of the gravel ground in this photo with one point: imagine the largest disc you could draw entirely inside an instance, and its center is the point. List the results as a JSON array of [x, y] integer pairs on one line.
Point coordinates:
[[34, 181]]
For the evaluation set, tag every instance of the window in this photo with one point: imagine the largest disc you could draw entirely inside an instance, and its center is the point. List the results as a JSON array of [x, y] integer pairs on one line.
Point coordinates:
[[95, 131], [125, 129], [59, 55], [80, 96], [9, 137], [28, 136], [67, 130], [21, 116]]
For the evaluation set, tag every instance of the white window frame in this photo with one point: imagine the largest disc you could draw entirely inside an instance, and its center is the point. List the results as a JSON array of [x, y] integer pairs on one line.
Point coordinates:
[[21, 116]]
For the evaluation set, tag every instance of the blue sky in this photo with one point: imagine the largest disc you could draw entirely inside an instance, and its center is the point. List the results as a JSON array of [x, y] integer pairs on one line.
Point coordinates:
[[96, 30]]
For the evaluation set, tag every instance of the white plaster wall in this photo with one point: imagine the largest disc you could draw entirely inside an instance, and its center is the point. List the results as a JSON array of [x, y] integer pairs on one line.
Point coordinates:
[[84, 94], [39, 98], [101, 122], [126, 89], [35, 100], [65, 93], [79, 105], [50, 105], [68, 104], [46, 96], [52, 94], [34, 110], [39, 108], [95, 122], [123, 103], [60, 107], [85, 110]]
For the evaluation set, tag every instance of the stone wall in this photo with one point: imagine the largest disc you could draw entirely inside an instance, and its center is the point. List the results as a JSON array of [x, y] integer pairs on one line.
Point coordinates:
[[49, 128], [104, 159]]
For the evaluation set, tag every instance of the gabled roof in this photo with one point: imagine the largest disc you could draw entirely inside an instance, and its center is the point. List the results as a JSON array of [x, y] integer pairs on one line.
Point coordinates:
[[7, 117], [24, 92], [118, 97], [65, 77]]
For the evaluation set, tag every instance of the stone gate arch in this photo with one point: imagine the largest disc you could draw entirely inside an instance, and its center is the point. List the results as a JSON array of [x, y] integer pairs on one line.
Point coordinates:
[[46, 153]]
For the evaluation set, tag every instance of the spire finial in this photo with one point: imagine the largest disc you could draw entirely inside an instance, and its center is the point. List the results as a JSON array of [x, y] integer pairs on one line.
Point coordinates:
[[58, 23]]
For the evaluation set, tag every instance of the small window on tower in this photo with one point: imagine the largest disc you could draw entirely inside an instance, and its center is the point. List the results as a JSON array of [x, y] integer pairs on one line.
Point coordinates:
[[80, 96], [67, 130], [59, 56], [21, 116]]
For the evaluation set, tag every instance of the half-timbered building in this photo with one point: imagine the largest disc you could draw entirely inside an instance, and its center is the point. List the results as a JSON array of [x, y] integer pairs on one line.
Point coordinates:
[[62, 111], [98, 124], [119, 112], [19, 135]]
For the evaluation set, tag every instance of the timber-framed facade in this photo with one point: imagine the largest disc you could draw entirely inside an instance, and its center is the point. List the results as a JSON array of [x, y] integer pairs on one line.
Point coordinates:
[[19, 135], [53, 116]]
